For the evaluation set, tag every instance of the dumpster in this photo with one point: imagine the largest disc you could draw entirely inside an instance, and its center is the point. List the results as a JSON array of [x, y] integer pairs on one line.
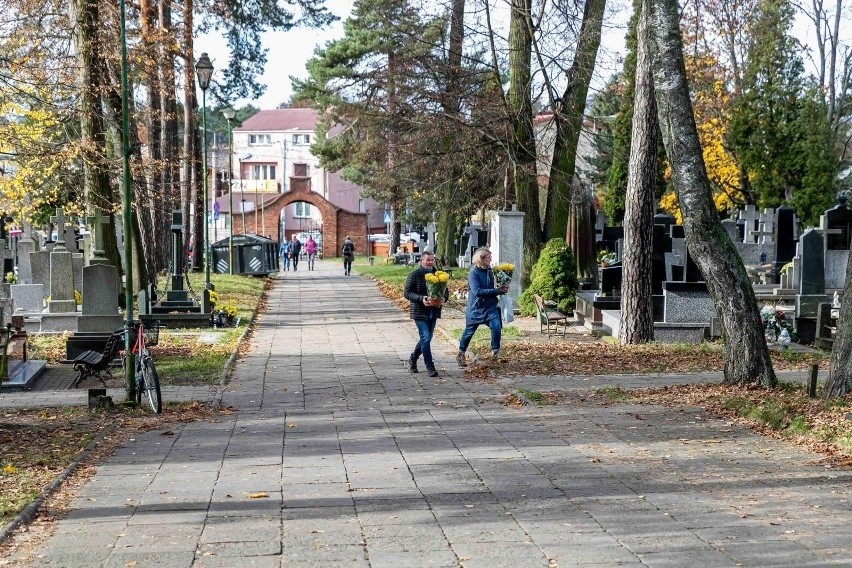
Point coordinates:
[[253, 254]]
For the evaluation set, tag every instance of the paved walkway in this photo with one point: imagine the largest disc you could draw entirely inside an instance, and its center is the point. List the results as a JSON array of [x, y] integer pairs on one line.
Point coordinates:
[[339, 457]]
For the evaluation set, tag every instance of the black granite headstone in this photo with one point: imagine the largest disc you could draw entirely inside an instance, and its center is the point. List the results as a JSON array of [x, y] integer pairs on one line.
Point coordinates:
[[838, 219], [611, 279], [812, 271], [785, 234]]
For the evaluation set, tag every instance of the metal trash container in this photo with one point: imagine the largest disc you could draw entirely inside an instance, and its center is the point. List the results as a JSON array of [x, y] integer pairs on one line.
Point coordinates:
[[253, 255]]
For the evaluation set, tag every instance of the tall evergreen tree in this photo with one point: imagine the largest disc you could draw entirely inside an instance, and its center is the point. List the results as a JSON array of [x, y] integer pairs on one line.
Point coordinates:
[[782, 142]]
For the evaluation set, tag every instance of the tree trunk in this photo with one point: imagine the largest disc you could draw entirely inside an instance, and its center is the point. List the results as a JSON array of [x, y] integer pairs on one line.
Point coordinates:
[[97, 189], [581, 233], [568, 120], [522, 144], [445, 247], [746, 355], [170, 188], [637, 310], [151, 197], [189, 185], [839, 381]]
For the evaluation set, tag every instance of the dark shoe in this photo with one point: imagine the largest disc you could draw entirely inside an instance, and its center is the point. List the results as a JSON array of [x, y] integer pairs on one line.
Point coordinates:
[[460, 359], [412, 365], [432, 372]]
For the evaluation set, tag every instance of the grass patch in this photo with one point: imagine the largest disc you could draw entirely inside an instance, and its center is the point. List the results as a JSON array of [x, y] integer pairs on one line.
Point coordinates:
[[540, 399], [615, 394], [785, 412], [182, 358], [482, 337], [394, 275]]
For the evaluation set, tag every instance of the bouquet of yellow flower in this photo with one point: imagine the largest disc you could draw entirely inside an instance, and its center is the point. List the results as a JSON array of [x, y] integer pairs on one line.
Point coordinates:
[[436, 284], [503, 274]]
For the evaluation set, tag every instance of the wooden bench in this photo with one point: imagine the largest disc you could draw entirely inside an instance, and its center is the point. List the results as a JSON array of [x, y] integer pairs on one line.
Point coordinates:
[[94, 363], [549, 318]]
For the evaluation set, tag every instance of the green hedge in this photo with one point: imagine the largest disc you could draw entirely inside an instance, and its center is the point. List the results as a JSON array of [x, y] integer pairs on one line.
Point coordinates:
[[554, 277]]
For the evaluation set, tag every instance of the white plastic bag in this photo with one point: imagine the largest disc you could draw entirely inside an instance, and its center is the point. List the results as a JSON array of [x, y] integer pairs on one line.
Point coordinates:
[[505, 303]]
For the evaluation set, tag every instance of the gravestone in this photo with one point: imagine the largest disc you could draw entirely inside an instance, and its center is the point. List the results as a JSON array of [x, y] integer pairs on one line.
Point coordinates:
[[99, 317], [26, 245], [40, 267], [98, 221], [750, 218], [61, 274], [812, 283], [837, 221], [812, 270], [507, 231], [730, 226], [785, 236], [179, 308], [27, 298], [430, 237]]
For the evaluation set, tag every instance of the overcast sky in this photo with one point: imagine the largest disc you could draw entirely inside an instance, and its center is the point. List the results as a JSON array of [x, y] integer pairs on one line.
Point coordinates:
[[289, 51]]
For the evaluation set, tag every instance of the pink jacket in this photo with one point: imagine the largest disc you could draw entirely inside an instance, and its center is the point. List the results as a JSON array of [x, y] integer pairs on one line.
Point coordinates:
[[311, 246]]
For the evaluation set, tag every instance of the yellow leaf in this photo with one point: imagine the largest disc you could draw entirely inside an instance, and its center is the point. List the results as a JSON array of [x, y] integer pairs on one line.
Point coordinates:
[[10, 469], [258, 495]]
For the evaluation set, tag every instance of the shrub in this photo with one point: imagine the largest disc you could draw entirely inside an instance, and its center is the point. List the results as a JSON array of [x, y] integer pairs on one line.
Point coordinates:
[[554, 277]]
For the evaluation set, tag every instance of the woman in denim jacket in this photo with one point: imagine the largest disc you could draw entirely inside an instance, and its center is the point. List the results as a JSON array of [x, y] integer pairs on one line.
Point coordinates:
[[482, 305]]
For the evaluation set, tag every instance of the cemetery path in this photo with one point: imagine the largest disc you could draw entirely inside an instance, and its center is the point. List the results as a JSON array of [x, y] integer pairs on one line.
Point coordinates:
[[337, 456]]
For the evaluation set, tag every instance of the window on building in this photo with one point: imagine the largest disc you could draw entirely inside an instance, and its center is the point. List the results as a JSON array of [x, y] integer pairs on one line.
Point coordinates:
[[263, 171], [303, 209], [362, 206], [260, 139], [301, 170], [300, 139]]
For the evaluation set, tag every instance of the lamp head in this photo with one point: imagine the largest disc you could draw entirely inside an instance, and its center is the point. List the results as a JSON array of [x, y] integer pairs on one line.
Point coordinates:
[[204, 70], [229, 113]]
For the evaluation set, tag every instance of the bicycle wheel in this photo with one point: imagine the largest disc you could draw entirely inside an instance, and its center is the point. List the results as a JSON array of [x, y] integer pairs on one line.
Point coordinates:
[[152, 385], [137, 374]]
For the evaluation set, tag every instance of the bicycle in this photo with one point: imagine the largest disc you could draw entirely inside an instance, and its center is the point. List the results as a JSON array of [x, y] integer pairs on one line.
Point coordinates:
[[147, 381]]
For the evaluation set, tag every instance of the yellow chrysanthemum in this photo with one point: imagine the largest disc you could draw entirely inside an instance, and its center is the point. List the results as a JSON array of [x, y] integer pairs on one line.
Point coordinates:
[[431, 278]]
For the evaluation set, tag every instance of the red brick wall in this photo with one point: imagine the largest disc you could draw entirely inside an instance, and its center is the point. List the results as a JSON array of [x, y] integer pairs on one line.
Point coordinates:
[[337, 222]]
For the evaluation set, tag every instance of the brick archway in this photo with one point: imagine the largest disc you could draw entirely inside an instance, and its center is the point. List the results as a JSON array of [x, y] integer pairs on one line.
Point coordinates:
[[336, 222]]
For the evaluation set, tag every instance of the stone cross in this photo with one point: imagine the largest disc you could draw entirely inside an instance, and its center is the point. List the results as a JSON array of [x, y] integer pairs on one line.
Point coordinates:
[[749, 215], [97, 222], [59, 221]]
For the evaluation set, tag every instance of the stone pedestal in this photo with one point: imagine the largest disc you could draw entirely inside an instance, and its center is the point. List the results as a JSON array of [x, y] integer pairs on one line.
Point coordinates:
[[507, 239]]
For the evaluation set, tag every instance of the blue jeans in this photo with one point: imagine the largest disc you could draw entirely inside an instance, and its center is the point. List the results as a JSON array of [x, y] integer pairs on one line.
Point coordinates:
[[496, 326], [285, 263], [426, 329]]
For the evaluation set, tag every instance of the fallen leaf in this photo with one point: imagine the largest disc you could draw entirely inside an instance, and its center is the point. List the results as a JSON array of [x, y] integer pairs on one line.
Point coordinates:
[[258, 495]]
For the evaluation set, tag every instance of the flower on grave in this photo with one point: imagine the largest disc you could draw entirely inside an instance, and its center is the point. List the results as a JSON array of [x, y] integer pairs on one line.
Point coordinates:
[[78, 297], [606, 258], [230, 310], [10, 278], [436, 284], [503, 273], [775, 322], [214, 297]]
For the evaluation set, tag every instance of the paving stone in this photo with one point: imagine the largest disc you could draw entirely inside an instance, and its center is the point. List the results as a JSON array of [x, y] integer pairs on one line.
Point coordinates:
[[365, 464]]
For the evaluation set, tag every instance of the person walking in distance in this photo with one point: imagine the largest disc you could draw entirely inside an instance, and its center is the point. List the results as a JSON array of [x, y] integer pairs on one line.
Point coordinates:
[[311, 251], [284, 253], [295, 250], [348, 251], [424, 311], [482, 305]]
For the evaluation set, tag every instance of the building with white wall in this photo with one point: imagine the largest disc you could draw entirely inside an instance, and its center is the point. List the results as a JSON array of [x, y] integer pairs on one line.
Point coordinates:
[[268, 149]]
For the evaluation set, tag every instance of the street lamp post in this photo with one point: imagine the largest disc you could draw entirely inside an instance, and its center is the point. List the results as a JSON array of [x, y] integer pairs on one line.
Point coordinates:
[[229, 114], [204, 70], [127, 219]]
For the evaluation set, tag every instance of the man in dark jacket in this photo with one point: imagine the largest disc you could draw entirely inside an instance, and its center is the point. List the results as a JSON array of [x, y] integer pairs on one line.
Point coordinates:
[[424, 311], [295, 250]]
